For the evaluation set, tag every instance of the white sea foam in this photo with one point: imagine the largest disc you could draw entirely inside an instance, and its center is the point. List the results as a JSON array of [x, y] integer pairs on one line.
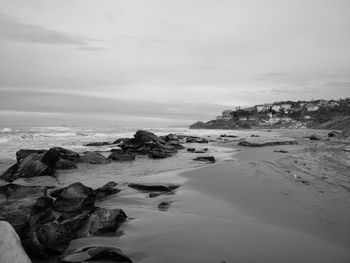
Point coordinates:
[[6, 130]]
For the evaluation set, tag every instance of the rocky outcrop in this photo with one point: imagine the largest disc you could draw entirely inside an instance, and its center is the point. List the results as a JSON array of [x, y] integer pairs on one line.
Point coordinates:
[[210, 159], [261, 142], [147, 143], [94, 158], [11, 250], [95, 254]]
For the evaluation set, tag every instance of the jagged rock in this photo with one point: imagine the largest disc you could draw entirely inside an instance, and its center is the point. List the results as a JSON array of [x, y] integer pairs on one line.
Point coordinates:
[[106, 190], [11, 250], [94, 158], [191, 149], [210, 159], [95, 254], [261, 142], [66, 154], [97, 144], [146, 136], [154, 188], [74, 198], [103, 220], [122, 156], [23, 153], [64, 164], [316, 137], [171, 137]]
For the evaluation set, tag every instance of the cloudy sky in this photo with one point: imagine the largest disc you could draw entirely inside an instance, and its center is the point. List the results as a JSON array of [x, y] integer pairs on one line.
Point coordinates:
[[163, 62]]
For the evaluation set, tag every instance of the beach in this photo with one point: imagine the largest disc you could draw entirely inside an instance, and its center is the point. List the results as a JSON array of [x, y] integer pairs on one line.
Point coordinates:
[[255, 204]]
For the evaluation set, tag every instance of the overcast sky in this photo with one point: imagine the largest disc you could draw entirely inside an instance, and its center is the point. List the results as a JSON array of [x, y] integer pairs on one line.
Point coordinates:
[[167, 62]]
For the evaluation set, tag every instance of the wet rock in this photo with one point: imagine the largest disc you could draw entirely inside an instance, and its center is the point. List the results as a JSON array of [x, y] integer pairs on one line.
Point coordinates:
[[23, 153], [64, 164], [333, 134], [171, 137], [106, 190], [121, 140], [154, 188], [199, 152], [157, 154], [42, 212], [94, 158], [164, 206], [280, 151], [176, 145], [261, 142], [210, 159], [95, 254], [254, 135], [146, 136], [194, 139], [316, 137], [105, 220], [97, 144], [229, 136], [74, 198], [346, 149], [191, 149], [122, 156], [66, 154], [11, 250]]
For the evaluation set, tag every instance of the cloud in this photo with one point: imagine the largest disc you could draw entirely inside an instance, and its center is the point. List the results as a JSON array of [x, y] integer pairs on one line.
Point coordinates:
[[12, 30]]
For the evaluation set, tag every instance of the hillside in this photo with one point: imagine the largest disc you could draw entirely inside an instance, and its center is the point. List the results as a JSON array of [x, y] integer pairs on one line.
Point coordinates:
[[331, 114]]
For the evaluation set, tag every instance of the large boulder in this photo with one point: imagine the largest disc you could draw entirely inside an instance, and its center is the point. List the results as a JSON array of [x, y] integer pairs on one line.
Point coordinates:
[[261, 142], [95, 254], [94, 158], [23, 153], [11, 250], [74, 198]]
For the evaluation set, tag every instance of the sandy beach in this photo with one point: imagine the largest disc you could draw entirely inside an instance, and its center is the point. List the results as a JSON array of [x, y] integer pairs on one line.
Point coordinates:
[[250, 209]]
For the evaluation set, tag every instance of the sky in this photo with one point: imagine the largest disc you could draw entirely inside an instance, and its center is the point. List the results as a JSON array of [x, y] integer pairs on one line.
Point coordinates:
[[166, 62]]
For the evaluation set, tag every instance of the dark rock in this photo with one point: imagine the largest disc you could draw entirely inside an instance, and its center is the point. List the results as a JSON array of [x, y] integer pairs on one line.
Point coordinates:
[[106, 190], [67, 154], [176, 145], [64, 164], [229, 136], [146, 136], [106, 220], [159, 154], [280, 151], [199, 152], [316, 137], [122, 156], [94, 158], [260, 142], [95, 254], [191, 149], [50, 157], [154, 188], [210, 159], [254, 135], [333, 134], [23, 153], [196, 140], [97, 144], [164, 206], [346, 149], [74, 198], [171, 137]]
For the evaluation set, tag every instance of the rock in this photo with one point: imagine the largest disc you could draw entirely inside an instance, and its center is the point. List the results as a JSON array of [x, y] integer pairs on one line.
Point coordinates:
[[154, 188], [41, 213], [347, 149], [74, 198], [171, 137], [261, 142], [54, 236], [122, 156], [94, 158], [199, 152], [23, 153], [254, 135], [191, 149], [176, 145], [14, 191], [50, 157], [97, 144], [48, 181], [333, 134], [315, 137], [64, 164], [11, 250], [95, 254], [229, 136], [146, 136], [30, 166], [280, 151], [104, 220], [210, 159], [164, 206], [157, 154], [196, 140], [66, 154], [106, 190]]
